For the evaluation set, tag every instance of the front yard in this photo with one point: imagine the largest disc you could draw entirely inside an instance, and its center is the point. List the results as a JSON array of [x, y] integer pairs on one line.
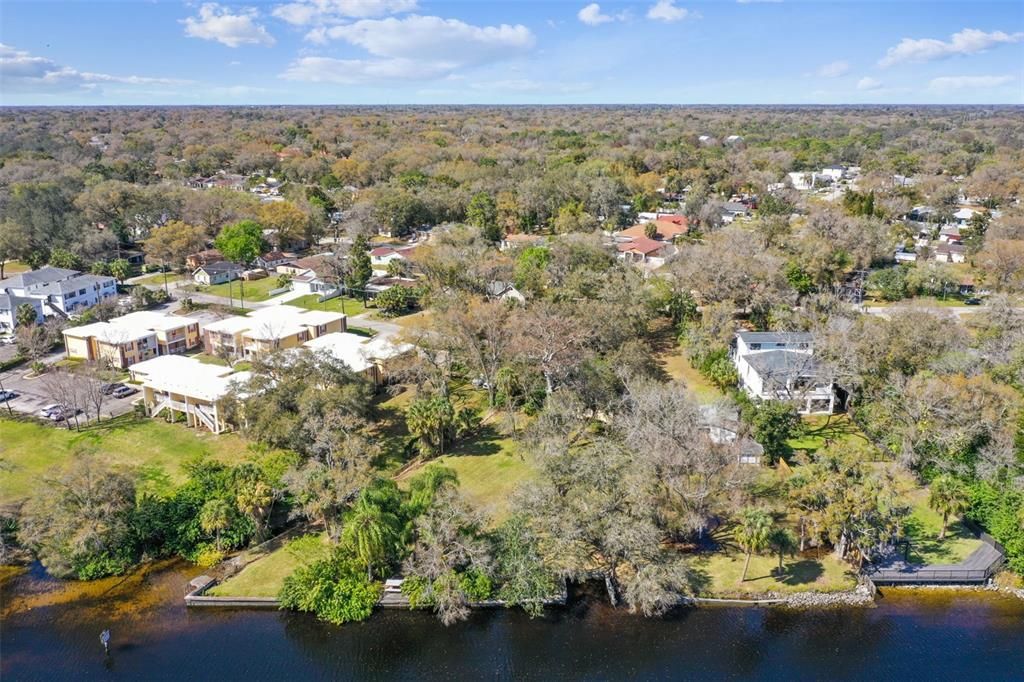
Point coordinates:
[[339, 304], [256, 290]]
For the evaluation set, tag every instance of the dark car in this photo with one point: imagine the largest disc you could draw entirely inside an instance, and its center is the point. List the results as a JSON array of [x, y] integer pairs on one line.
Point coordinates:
[[124, 391], [973, 301]]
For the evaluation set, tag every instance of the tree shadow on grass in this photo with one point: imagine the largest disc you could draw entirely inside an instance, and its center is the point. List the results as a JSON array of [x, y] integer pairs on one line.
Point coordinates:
[[154, 477], [802, 572], [484, 441], [925, 546]]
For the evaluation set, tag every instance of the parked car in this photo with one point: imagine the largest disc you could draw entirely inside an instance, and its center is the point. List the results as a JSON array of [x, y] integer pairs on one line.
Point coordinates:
[[124, 391], [973, 301], [62, 413], [45, 411], [8, 395], [107, 389]]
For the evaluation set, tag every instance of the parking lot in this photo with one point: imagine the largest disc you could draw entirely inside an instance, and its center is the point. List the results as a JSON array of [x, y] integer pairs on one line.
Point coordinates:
[[33, 396]]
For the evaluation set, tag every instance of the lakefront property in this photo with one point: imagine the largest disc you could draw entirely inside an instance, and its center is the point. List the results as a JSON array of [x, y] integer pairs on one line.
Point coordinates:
[[532, 388]]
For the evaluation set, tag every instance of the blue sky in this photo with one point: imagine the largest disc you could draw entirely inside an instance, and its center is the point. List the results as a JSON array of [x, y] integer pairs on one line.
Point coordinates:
[[517, 51]]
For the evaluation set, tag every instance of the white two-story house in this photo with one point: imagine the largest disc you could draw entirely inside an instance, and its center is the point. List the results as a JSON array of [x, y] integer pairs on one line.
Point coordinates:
[[60, 291], [781, 366]]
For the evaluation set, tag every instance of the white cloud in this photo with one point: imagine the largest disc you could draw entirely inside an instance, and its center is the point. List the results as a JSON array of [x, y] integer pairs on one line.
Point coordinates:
[[434, 39], [833, 69], [21, 71], [948, 83], [411, 48], [869, 83], [591, 15], [666, 10], [967, 41], [313, 12], [219, 23]]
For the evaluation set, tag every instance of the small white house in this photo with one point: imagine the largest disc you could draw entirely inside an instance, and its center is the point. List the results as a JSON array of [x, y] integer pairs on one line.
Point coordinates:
[[781, 366], [801, 180], [217, 272]]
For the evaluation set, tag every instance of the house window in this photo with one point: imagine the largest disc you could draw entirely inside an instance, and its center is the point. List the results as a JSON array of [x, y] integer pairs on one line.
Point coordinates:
[[755, 346], [81, 292]]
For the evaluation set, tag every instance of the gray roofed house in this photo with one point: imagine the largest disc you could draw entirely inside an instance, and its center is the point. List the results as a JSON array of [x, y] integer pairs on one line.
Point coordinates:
[[28, 281], [777, 339], [9, 305], [782, 366], [505, 291], [724, 428], [60, 291], [217, 272]]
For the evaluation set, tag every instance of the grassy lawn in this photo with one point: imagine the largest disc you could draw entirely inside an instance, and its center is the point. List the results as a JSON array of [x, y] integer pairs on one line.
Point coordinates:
[[256, 290], [157, 279], [150, 448], [720, 574], [264, 577], [822, 429], [13, 267], [677, 365], [490, 467], [923, 528], [352, 306], [490, 464]]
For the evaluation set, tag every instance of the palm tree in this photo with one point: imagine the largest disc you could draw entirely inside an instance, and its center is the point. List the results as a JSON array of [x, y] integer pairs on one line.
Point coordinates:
[[948, 496], [782, 541], [254, 499], [214, 517], [753, 533], [370, 532]]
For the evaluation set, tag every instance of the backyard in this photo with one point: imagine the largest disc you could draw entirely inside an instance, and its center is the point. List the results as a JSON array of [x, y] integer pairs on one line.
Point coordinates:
[[923, 529], [822, 429], [153, 449], [719, 574], [265, 576]]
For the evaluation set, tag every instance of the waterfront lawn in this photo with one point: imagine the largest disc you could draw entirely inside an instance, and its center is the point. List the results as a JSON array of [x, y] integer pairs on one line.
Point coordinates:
[[152, 449], [923, 529], [255, 291], [352, 306], [490, 467], [265, 577], [720, 573]]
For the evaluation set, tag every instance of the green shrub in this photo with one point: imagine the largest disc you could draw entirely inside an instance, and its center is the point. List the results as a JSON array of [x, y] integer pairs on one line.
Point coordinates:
[[336, 589]]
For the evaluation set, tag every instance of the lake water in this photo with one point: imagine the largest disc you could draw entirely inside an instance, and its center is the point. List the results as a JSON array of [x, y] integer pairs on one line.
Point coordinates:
[[50, 631]]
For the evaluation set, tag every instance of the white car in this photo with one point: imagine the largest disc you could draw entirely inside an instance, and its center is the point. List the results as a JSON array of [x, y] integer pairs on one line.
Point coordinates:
[[45, 412]]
